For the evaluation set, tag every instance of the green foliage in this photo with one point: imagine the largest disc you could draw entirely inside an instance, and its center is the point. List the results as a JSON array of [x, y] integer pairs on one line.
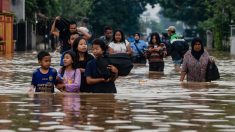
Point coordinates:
[[220, 21], [123, 14], [189, 11], [71, 9], [30, 10], [48, 8], [215, 15], [75, 9]]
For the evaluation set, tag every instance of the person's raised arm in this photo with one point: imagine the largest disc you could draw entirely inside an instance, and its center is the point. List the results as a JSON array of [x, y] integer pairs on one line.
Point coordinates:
[[86, 35], [53, 28]]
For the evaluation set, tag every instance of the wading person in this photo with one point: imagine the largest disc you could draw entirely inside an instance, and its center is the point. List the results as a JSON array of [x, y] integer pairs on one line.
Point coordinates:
[[82, 57], [44, 78], [108, 35], [69, 76], [119, 44], [100, 82], [195, 62], [64, 34], [178, 47], [155, 53], [138, 47]]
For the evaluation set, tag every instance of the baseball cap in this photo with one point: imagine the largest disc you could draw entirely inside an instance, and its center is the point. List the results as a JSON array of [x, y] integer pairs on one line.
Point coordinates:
[[171, 28]]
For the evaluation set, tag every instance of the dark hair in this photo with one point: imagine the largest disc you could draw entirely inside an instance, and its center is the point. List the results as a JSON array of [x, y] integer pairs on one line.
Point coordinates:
[[75, 49], [107, 28], [197, 54], [157, 38], [72, 22], [101, 43], [42, 54], [122, 34], [137, 34], [196, 39], [72, 54], [73, 33]]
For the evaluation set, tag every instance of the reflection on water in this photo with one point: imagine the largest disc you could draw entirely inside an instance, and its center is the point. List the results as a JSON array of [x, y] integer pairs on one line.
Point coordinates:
[[199, 111], [145, 101]]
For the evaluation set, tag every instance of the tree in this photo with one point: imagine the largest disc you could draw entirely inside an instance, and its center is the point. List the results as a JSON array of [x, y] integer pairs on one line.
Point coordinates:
[[215, 15], [223, 14], [190, 11], [30, 9], [123, 14]]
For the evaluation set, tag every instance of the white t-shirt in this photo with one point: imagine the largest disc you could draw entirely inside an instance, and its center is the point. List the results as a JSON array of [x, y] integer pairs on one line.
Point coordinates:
[[119, 47]]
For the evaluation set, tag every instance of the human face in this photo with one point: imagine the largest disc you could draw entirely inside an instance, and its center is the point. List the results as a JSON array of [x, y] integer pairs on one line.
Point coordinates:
[[137, 37], [169, 33], [68, 60], [118, 36], [82, 46], [97, 51], [108, 34], [197, 46], [73, 28], [45, 62], [154, 40]]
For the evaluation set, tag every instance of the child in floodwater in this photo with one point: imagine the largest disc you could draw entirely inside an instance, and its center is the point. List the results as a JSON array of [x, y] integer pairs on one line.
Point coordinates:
[[44, 78], [69, 77], [96, 80]]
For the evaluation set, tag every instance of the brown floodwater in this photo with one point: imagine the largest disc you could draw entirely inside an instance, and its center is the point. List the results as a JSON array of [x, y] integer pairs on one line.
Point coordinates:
[[147, 102]]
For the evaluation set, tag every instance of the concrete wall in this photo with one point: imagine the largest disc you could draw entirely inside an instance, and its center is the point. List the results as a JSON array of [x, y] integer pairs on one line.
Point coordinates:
[[18, 8], [232, 49]]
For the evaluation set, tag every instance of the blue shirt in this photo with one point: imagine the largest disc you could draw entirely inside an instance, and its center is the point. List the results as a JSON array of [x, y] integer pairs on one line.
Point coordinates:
[[44, 82], [102, 87], [141, 46]]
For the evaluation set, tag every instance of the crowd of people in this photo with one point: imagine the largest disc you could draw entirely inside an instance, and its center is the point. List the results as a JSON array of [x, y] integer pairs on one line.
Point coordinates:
[[79, 70]]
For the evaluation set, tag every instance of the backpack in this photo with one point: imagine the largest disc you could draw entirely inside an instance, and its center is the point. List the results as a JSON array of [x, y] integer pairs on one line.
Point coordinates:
[[168, 48], [180, 46]]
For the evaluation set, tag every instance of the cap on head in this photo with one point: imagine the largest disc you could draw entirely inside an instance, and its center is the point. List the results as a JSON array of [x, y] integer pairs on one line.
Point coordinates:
[[171, 28]]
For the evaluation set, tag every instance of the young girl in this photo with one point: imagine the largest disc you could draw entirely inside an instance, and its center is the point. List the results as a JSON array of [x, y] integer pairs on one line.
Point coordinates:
[[82, 57], [119, 44], [156, 52], [69, 78], [96, 82]]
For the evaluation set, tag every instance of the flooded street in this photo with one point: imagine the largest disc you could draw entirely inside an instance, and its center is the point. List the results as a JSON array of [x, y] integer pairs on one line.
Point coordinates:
[[144, 101]]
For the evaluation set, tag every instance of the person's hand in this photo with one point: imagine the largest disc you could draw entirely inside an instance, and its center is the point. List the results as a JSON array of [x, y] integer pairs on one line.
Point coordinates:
[[61, 87], [107, 80], [57, 18], [158, 48], [82, 70], [151, 49], [30, 90], [212, 59], [113, 69]]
